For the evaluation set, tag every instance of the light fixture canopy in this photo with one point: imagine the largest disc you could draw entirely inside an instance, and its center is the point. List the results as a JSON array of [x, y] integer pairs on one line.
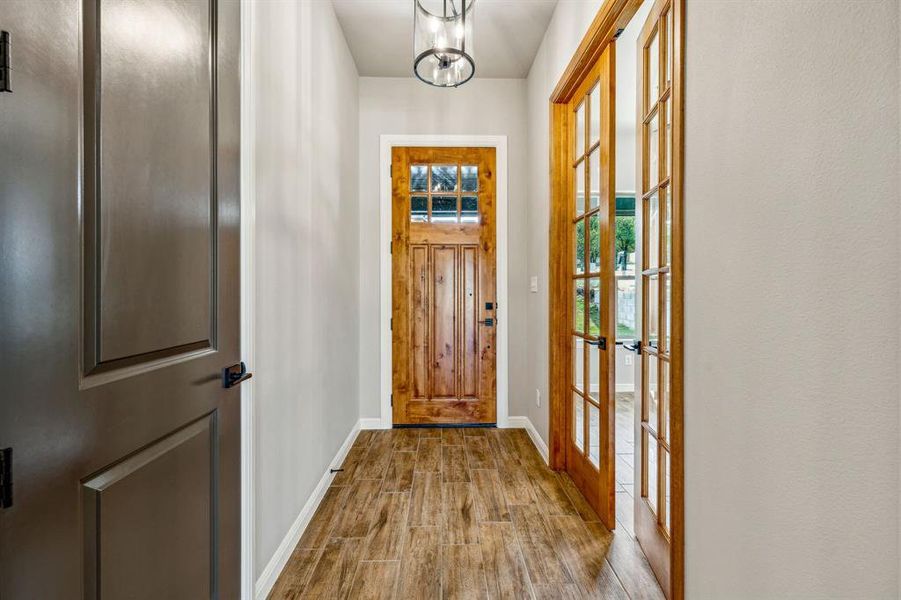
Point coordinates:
[[442, 42]]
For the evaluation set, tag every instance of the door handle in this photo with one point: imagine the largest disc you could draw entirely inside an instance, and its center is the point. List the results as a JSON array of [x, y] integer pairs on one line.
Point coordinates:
[[489, 322], [234, 375], [636, 347], [600, 343]]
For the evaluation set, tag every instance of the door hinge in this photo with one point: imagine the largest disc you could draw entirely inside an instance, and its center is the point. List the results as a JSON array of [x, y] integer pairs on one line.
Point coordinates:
[[391, 324], [391, 171], [6, 478], [4, 62], [392, 399], [390, 247]]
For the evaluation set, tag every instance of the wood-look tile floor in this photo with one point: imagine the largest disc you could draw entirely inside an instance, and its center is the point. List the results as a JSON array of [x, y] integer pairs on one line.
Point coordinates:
[[458, 513]]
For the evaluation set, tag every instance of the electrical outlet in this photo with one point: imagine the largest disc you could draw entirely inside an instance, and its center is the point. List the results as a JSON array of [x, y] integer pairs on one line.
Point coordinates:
[[628, 359], [533, 284], [537, 397]]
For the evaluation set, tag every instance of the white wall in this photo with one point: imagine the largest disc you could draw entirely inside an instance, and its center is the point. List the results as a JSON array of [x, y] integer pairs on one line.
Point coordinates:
[[408, 106], [569, 23], [791, 339], [307, 257], [792, 331]]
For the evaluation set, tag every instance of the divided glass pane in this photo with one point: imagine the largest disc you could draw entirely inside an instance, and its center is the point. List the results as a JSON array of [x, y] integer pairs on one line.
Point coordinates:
[[579, 307], [666, 489], [595, 117], [444, 179], [580, 131], [469, 209], [419, 178], [652, 471], [578, 363], [470, 177], [653, 324], [594, 244], [594, 434], [668, 139], [594, 179], [653, 62], [653, 399], [669, 46], [653, 244], [664, 400], [444, 209], [594, 306], [419, 209], [667, 225], [580, 246], [579, 422], [667, 311], [594, 372], [653, 131], [580, 188]]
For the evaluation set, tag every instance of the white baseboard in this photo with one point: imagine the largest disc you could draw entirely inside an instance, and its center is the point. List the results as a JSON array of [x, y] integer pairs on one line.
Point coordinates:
[[625, 387], [526, 423], [371, 423], [278, 561]]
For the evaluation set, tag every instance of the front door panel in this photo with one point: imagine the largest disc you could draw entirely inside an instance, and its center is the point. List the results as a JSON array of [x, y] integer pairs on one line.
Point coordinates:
[[120, 291], [443, 269]]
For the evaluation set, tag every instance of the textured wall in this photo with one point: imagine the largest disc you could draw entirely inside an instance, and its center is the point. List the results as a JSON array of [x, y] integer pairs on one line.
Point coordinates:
[[791, 293], [307, 258]]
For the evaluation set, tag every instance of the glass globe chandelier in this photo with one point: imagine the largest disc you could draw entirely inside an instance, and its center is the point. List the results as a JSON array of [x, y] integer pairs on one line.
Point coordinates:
[[442, 42]]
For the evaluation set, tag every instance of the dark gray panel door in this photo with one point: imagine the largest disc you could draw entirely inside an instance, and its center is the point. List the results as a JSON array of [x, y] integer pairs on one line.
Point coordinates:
[[119, 299]]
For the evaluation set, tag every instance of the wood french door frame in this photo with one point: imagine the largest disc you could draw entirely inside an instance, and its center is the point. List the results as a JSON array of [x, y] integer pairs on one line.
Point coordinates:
[[613, 16]]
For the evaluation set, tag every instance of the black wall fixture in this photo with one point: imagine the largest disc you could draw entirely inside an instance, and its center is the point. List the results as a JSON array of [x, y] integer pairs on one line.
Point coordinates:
[[4, 62]]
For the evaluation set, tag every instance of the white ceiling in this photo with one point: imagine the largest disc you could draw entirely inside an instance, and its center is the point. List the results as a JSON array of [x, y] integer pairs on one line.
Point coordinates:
[[507, 35]]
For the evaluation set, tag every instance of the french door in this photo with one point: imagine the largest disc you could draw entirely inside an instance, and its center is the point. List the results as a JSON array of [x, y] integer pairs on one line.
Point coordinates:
[[590, 417], [444, 311], [654, 372]]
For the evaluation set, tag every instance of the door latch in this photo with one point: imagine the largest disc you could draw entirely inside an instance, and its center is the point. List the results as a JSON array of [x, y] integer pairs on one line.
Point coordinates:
[[600, 343], [489, 322], [636, 347], [6, 478], [234, 375]]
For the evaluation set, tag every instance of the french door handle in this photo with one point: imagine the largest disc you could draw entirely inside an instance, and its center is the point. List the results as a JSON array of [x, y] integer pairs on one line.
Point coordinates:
[[234, 375], [636, 347], [600, 343]]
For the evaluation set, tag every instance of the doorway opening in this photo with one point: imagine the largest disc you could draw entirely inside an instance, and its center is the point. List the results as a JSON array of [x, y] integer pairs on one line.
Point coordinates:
[[387, 144], [624, 256], [616, 271]]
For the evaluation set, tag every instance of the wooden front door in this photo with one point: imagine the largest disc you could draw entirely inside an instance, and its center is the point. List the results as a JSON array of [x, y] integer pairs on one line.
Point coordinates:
[[590, 414], [654, 374], [444, 310], [119, 288]]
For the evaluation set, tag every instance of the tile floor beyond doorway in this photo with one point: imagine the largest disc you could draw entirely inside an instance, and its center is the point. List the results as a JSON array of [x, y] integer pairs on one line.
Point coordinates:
[[625, 465], [458, 513]]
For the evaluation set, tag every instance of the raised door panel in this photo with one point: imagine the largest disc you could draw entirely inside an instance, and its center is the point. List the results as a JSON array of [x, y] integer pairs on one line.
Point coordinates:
[[444, 318], [419, 326], [149, 520], [150, 173], [469, 317]]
